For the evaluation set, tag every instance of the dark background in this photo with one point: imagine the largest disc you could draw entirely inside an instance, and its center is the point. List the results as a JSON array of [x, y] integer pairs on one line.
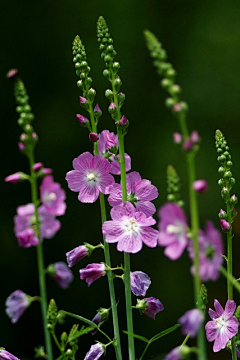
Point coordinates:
[[202, 39]]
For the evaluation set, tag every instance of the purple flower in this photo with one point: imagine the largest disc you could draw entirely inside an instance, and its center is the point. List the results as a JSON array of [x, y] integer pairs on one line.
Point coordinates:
[[16, 304], [140, 283], [200, 185], [178, 353], [95, 352], [25, 225], [195, 137], [92, 272], [90, 176], [101, 316], [5, 355], [61, 274], [223, 326], [82, 100], [108, 146], [129, 228], [149, 306], [139, 192], [191, 321], [76, 255], [52, 196], [210, 252], [173, 230]]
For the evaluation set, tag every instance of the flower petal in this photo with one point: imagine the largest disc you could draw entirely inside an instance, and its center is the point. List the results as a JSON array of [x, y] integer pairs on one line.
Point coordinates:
[[112, 230], [218, 308], [229, 309], [124, 209], [149, 236], [88, 194], [83, 162], [211, 330], [129, 244]]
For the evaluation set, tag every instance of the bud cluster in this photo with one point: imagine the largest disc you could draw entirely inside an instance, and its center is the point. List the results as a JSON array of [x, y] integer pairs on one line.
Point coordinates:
[[166, 70], [226, 181], [173, 186], [108, 54], [28, 138]]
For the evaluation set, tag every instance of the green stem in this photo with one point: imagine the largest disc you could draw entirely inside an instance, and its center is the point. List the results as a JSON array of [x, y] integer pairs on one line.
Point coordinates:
[[229, 273], [231, 278], [107, 257], [128, 293], [40, 258]]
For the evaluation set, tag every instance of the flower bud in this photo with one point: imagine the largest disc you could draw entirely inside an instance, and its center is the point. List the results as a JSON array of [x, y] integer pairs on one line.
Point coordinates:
[[82, 120], [233, 200], [194, 137], [97, 111], [124, 121], [92, 93], [11, 74], [16, 178], [177, 138], [225, 225], [109, 94], [112, 108], [93, 137], [222, 214], [187, 145], [121, 98], [200, 185], [83, 101], [38, 166]]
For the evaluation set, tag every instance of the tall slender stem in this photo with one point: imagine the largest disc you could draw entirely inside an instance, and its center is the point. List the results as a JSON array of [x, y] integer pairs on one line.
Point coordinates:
[[107, 257], [40, 258], [128, 293]]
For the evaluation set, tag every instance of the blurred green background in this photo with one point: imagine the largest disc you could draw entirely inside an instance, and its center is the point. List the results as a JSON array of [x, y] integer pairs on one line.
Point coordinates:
[[202, 39]]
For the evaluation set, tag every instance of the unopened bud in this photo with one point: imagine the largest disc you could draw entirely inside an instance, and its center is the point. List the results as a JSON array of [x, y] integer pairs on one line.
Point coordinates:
[[225, 225], [200, 185], [93, 137], [177, 138]]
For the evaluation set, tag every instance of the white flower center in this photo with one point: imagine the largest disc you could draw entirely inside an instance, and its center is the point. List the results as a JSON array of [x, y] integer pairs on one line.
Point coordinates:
[[220, 323], [52, 196], [174, 229], [91, 176], [131, 227]]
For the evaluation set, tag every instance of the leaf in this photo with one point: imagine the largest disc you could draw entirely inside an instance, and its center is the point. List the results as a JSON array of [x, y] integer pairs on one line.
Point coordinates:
[[137, 336], [164, 332]]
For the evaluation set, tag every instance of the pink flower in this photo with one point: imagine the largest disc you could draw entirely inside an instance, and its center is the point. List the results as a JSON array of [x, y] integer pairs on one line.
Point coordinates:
[[16, 304], [173, 230], [210, 252], [61, 274], [25, 225], [149, 306], [129, 228], [140, 283], [108, 147], [5, 355], [92, 272], [223, 326], [52, 196], [139, 192], [76, 255], [90, 176], [191, 321], [95, 352]]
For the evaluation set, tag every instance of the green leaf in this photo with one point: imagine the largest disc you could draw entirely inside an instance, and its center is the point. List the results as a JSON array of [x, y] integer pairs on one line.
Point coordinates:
[[137, 336], [163, 333]]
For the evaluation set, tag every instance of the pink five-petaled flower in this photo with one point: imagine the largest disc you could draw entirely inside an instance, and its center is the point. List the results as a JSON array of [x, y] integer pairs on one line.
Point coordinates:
[[140, 283], [90, 176], [149, 306], [52, 196], [210, 252], [191, 321], [108, 146], [173, 230], [92, 272], [5, 355], [223, 326], [129, 228], [139, 192], [16, 304], [61, 274], [95, 352], [25, 225]]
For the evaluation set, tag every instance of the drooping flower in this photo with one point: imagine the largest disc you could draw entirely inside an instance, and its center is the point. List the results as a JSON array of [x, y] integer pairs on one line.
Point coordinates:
[[91, 176], [130, 229], [172, 230], [140, 192], [223, 326], [92, 272], [61, 274], [210, 252], [108, 147], [178, 353], [95, 352], [140, 283], [149, 306], [52, 196], [191, 321], [101, 316], [16, 304], [76, 254], [25, 225], [5, 355]]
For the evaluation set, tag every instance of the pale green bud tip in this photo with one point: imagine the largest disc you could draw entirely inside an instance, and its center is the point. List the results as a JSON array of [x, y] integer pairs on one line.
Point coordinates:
[[101, 21], [77, 41]]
